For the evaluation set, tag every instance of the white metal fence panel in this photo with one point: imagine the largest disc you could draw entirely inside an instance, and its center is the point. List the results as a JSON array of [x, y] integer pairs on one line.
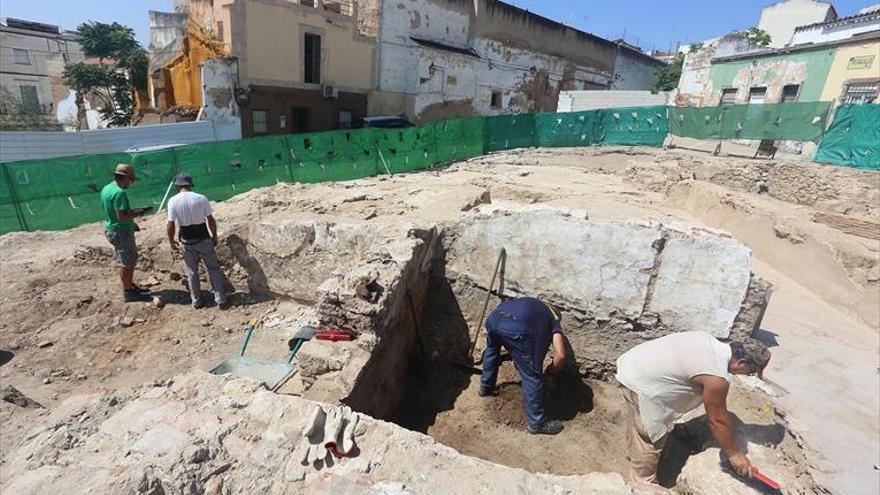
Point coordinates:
[[30, 145]]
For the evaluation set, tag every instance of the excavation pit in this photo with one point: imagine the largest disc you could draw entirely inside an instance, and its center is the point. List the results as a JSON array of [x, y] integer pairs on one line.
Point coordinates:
[[413, 235]]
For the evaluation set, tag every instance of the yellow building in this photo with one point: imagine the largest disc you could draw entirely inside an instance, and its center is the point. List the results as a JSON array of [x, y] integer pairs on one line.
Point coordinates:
[[301, 66], [854, 76]]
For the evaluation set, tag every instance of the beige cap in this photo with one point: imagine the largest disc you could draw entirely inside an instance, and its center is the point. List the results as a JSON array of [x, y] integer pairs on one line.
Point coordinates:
[[124, 169]]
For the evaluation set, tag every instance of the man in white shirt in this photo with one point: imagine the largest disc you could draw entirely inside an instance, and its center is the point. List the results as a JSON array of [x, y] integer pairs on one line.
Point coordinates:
[[193, 213], [668, 377]]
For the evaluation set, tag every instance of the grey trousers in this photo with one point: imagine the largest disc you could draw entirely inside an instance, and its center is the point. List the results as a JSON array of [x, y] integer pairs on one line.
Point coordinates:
[[203, 251]]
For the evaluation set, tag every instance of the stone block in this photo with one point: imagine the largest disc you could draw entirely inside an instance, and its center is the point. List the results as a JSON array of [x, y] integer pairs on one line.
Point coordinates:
[[602, 267], [701, 283]]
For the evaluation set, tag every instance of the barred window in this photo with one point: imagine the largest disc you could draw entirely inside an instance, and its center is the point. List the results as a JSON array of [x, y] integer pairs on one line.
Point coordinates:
[[860, 93]]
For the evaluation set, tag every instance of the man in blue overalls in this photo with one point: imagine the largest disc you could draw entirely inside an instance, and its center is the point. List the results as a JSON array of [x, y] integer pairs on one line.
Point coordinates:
[[525, 327]]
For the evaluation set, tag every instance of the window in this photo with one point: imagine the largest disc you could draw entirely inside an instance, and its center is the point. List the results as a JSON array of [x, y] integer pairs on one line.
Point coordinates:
[[728, 96], [345, 119], [312, 58], [861, 93], [22, 57], [757, 95], [30, 102], [299, 119], [261, 121], [220, 30], [496, 100], [790, 93]]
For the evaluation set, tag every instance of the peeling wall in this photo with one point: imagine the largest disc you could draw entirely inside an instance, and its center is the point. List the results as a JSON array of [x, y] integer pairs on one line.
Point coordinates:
[[218, 76], [487, 48], [695, 71], [809, 69], [178, 46]]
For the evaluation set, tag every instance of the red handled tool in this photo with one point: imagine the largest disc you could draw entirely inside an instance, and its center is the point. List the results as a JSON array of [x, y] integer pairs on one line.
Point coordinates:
[[763, 478], [333, 334]]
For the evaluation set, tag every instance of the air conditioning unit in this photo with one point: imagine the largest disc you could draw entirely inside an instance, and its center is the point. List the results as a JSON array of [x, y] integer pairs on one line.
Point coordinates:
[[328, 91]]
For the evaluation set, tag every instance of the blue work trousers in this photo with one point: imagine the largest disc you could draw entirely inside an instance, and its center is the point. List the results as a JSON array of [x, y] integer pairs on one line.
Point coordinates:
[[505, 331]]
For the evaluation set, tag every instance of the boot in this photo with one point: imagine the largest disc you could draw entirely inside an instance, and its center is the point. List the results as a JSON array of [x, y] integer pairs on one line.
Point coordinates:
[[134, 295], [551, 427]]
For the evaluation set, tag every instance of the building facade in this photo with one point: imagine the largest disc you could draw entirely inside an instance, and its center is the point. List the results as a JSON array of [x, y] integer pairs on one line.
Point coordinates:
[[780, 19], [633, 69], [33, 94], [301, 66], [833, 61], [441, 59]]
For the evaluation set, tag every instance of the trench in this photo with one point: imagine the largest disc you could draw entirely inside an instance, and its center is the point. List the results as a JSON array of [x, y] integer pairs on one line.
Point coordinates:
[[441, 400], [417, 370]]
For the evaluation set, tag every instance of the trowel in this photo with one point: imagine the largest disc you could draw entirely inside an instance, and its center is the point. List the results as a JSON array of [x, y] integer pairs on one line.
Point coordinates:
[[766, 480]]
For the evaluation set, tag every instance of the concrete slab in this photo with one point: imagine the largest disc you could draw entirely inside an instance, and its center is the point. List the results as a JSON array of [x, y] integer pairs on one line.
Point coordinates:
[[701, 283]]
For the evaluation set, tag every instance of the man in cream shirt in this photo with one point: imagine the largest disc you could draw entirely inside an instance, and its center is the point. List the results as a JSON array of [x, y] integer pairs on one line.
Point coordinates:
[[668, 377], [198, 238]]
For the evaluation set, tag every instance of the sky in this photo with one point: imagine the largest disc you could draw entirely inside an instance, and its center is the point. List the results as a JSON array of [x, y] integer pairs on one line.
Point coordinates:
[[647, 23]]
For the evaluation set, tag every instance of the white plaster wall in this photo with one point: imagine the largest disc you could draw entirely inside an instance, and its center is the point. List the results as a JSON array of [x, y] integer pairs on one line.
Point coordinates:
[[218, 79], [821, 34], [781, 18], [404, 64], [579, 101], [632, 72]]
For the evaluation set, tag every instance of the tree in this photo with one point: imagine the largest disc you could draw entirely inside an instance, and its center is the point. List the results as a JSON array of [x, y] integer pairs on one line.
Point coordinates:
[[121, 70], [757, 37], [668, 75]]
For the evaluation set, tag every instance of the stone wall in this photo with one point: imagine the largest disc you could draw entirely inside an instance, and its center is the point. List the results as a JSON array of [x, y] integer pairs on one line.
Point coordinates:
[[617, 284], [355, 277]]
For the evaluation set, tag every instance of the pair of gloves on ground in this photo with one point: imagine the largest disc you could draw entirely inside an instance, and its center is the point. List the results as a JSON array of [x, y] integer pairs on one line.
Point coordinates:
[[328, 432]]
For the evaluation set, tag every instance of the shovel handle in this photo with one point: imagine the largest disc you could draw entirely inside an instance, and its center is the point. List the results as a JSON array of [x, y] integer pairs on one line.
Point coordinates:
[[247, 335]]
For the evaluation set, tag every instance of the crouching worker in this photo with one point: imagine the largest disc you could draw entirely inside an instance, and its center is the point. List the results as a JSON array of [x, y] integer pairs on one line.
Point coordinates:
[[525, 327], [192, 211], [667, 377]]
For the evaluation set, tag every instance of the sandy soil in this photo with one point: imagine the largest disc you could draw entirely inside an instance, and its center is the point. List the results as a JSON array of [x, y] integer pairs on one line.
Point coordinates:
[[60, 298]]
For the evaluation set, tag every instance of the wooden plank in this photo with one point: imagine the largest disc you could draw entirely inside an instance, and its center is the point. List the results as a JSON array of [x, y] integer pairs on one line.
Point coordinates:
[[849, 225]]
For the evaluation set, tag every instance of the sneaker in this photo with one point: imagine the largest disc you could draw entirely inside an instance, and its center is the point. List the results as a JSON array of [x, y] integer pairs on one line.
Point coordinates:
[[143, 290], [134, 295], [198, 304], [223, 306], [551, 427]]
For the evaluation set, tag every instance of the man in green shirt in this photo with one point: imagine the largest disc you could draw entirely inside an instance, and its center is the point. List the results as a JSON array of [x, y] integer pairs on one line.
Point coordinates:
[[119, 228]]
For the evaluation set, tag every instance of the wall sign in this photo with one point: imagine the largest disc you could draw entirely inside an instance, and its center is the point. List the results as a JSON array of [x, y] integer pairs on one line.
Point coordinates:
[[863, 62]]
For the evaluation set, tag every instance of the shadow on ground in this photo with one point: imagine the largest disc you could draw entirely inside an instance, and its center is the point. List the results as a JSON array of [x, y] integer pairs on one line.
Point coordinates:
[[694, 436]]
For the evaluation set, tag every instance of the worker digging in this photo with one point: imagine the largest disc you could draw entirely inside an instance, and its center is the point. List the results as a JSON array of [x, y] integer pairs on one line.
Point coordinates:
[[525, 327], [665, 378]]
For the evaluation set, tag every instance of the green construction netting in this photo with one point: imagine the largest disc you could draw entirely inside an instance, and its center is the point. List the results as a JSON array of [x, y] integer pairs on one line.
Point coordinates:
[[635, 126], [63, 192], [853, 138], [505, 132], [60, 193], [792, 121], [567, 129]]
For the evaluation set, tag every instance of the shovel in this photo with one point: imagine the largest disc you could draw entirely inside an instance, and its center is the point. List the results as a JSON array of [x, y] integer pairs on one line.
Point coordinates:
[[270, 373]]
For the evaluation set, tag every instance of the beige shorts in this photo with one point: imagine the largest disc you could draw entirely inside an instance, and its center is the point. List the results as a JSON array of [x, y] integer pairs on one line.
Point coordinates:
[[124, 245]]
